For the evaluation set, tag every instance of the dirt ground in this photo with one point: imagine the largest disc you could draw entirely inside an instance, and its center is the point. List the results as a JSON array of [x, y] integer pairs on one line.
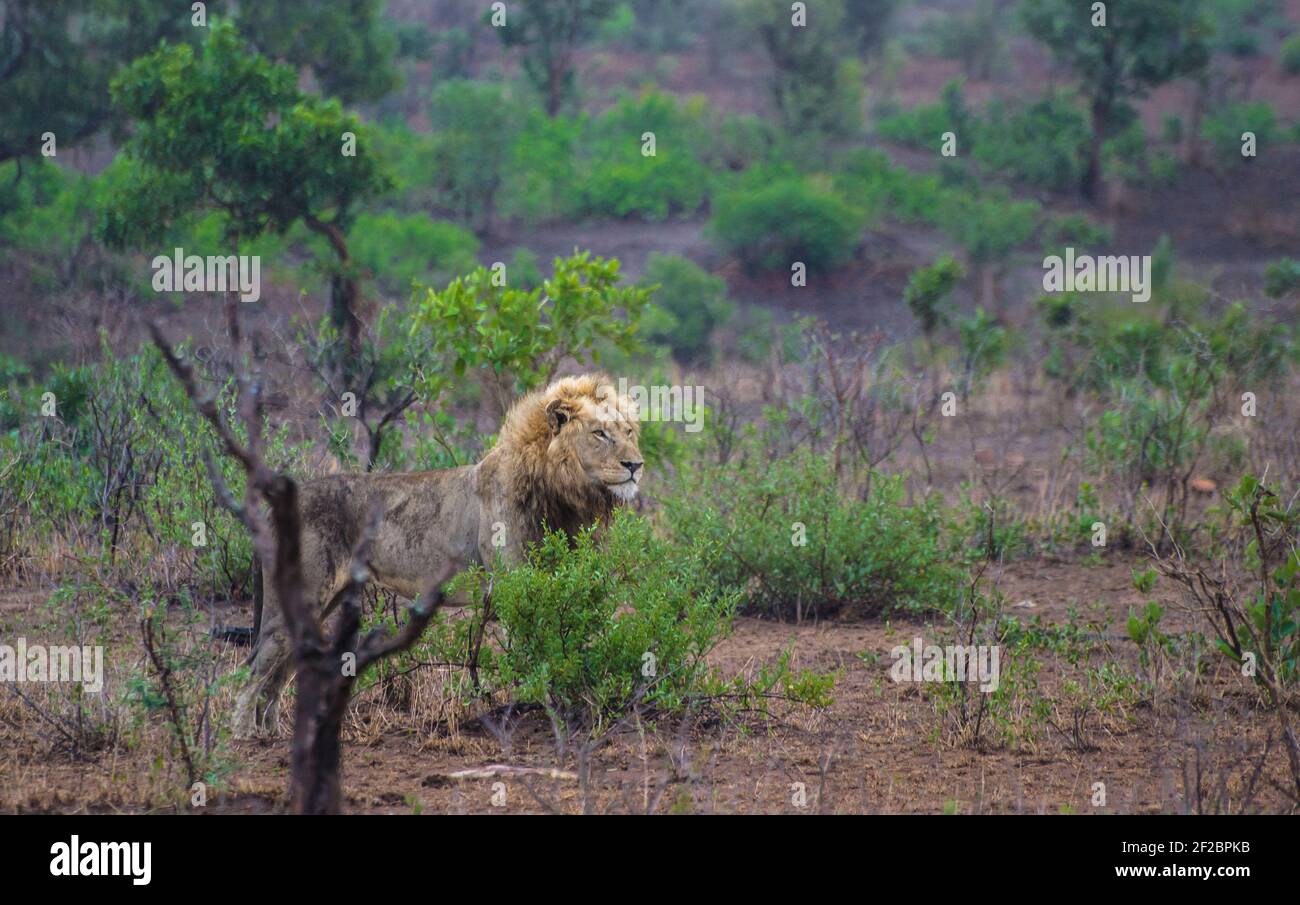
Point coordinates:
[[873, 751]]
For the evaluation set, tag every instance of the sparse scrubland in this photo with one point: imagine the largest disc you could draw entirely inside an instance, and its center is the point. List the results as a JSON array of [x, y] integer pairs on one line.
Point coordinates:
[[903, 434]]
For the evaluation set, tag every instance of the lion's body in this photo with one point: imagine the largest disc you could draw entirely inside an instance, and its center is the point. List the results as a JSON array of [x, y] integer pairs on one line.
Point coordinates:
[[566, 457]]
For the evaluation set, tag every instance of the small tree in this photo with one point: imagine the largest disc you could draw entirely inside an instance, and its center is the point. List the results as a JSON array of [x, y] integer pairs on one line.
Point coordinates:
[[327, 667], [1139, 46], [475, 126], [814, 87], [927, 291], [550, 33], [990, 229], [57, 57], [516, 338], [226, 130]]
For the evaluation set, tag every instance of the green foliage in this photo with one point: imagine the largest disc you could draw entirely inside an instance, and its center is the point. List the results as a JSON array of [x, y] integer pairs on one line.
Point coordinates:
[[1139, 47], [1271, 627], [977, 39], [1164, 387], [1223, 128], [868, 555], [1240, 26], [817, 91], [878, 187], [519, 335], [475, 126], [1042, 144], [1078, 231], [348, 44], [47, 216], [1289, 55], [591, 630], [402, 249], [924, 125], [204, 140], [693, 303], [56, 60], [989, 227], [622, 181], [984, 343], [1282, 277], [928, 288], [124, 460], [550, 31], [786, 220]]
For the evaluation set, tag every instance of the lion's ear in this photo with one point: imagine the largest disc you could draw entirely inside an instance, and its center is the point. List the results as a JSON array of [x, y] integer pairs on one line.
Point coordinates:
[[558, 413]]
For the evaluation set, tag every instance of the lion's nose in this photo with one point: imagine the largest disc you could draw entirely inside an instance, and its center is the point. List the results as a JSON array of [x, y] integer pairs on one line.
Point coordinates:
[[632, 467]]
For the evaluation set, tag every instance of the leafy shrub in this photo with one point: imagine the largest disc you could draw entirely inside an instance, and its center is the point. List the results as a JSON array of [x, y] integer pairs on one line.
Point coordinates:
[[989, 227], [1162, 385], [508, 334], [787, 220], [693, 300], [1043, 144], [984, 344], [401, 249], [621, 181], [591, 629], [1223, 128], [923, 125], [877, 186], [1289, 55], [1282, 277], [795, 544], [926, 290], [475, 124], [122, 469]]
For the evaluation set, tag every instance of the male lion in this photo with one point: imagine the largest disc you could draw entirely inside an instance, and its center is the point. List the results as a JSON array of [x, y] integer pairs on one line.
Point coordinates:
[[566, 456]]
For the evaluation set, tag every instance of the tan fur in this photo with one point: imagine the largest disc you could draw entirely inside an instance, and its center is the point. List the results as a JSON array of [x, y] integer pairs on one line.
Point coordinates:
[[549, 469]]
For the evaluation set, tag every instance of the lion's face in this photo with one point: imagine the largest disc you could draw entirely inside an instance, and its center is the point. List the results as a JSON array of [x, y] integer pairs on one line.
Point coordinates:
[[601, 436]]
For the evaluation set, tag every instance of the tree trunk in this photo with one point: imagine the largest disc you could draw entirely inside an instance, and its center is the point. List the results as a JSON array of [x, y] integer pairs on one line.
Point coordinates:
[[318, 723], [1092, 181], [345, 296], [554, 87]]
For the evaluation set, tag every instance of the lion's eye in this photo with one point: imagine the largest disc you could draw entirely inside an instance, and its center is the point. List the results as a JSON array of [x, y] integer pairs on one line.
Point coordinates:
[[601, 434]]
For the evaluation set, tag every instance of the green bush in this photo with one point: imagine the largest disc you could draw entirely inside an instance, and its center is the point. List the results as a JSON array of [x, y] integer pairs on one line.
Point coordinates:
[[928, 288], [1223, 129], [876, 185], [516, 337], [1281, 277], [796, 544], [621, 181], [590, 629], [923, 125], [122, 468], [1078, 231], [693, 301], [401, 249], [787, 220], [1043, 144], [1289, 55], [474, 124]]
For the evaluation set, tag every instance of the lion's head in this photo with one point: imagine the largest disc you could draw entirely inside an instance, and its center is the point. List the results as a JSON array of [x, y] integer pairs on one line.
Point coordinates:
[[573, 451]]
